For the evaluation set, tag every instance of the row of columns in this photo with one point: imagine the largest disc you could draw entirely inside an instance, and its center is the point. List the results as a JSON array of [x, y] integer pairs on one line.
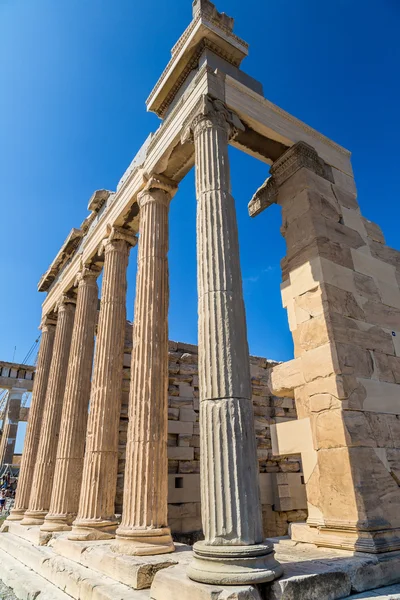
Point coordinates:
[[69, 467]]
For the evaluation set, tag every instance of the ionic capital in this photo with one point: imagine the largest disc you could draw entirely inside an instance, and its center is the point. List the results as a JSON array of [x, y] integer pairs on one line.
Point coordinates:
[[48, 321], [208, 113], [88, 273], [115, 235], [64, 302], [297, 156], [158, 188]]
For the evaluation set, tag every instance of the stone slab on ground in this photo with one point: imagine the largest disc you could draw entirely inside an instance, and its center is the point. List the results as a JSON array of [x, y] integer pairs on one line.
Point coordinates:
[[312, 573], [135, 571], [386, 593], [75, 580], [174, 584], [25, 583]]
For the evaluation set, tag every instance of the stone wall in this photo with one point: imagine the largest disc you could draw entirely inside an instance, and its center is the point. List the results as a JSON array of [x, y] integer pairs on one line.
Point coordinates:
[[281, 486]]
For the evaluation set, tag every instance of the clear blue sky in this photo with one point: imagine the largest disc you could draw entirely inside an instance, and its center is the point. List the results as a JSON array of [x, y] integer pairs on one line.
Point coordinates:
[[74, 76]]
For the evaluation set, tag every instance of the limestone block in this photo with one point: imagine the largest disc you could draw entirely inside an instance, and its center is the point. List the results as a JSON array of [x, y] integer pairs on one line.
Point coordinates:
[[385, 254], [354, 360], [189, 466], [310, 334], [337, 428], [188, 414], [304, 179], [380, 396], [285, 377], [319, 362], [350, 331], [180, 453], [187, 357], [345, 198], [366, 287], [185, 390], [344, 469], [374, 231], [183, 488], [380, 314], [342, 302], [308, 305], [344, 181], [180, 427], [388, 367], [374, 267]]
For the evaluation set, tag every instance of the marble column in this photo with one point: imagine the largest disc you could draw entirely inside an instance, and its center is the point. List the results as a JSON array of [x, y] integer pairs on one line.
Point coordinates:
[[233, 551], [71, 446], [42, 481], [10, 425], [144, 527], [96, 515], [48, 327]]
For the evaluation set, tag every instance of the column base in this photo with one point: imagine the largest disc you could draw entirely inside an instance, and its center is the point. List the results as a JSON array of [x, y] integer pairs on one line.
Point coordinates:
[[34, 517], [58, 522], [92, 529], [371, 542], [143, 542], [16, 514], [233, 565]]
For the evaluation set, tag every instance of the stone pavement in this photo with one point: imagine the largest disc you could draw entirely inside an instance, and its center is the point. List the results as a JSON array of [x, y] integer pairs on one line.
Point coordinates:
[[391, 592]]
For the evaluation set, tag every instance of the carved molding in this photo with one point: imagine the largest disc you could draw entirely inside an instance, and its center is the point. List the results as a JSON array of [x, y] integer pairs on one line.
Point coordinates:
[[64, 301], [210, 112], [263, 198], [298, 156]]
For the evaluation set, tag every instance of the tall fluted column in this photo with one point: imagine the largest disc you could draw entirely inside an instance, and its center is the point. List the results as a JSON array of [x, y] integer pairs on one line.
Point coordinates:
[[96, 518], [42, 482], [144, 527], [10, 426], [71, 446], [48, 327], [233, 551]]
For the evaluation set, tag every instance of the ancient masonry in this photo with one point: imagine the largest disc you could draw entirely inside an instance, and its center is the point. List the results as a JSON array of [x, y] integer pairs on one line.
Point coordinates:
[[173, 433]]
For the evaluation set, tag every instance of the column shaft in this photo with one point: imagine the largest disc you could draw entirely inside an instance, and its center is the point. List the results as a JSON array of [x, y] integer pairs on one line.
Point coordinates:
[[10, 426], [231, 510], [32, 436], [144, 527], [96, 514], [71, 446], [42, 482]]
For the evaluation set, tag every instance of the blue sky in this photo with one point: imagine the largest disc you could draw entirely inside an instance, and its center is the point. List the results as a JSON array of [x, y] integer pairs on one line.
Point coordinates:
[[74, 77]]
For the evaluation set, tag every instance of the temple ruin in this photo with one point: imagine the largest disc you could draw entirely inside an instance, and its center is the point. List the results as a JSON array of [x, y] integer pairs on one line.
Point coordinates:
[[340, 287]]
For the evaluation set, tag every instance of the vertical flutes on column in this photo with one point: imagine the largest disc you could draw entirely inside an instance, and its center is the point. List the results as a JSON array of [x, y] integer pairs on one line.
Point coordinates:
[[233, 551], [71, 446], [48, 327], [42, 482], [144, 527], [96, 518]]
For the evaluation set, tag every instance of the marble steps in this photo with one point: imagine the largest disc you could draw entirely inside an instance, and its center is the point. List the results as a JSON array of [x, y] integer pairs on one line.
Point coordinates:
[[72, 579], [26, 584]]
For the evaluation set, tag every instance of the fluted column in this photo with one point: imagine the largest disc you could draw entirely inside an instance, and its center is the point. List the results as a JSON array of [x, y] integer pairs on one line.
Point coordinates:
[[96, 518], [48, 327], [71, 446], [144, 527], [233, 550], [10, 425], [42, 481]]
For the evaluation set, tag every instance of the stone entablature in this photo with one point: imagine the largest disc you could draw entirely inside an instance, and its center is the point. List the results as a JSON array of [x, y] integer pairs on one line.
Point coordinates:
[[16, 375]]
